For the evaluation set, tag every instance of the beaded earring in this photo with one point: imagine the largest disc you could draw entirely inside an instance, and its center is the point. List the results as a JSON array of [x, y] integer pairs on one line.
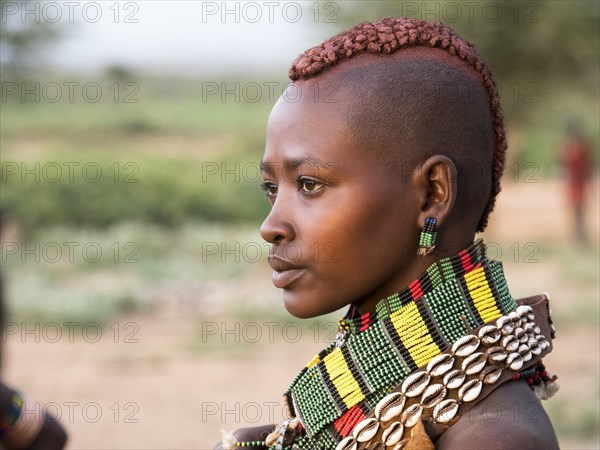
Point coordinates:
[[427, 238]]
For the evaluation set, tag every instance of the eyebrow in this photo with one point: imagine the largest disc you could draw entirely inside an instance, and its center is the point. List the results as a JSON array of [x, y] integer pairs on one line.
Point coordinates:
[[293, 163]]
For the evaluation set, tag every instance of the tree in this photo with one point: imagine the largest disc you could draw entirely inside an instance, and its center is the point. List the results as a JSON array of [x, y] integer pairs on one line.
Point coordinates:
[[22, 37]]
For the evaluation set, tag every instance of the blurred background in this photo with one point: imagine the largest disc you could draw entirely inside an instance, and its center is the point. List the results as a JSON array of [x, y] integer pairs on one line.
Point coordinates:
[[137, 293]]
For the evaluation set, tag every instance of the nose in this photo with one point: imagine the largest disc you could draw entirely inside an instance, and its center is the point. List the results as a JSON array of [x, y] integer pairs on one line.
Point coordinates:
[[275, 228]]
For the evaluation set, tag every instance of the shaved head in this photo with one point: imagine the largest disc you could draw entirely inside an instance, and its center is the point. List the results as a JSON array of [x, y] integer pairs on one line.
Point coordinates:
[[418, 103]]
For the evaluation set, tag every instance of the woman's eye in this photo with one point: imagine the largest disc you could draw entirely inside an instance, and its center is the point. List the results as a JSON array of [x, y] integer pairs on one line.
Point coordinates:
[[269, 188], [310, 186]]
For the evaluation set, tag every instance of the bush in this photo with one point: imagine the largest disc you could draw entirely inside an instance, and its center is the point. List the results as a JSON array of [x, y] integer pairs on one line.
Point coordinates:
[[160, 191]]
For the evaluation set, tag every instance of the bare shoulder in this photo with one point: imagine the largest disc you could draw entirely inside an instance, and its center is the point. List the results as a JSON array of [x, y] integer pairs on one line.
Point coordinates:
[[511, 417]]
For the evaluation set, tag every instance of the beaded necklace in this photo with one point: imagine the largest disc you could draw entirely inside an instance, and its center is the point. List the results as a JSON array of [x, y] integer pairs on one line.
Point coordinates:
[[9, 417], [376, 351]]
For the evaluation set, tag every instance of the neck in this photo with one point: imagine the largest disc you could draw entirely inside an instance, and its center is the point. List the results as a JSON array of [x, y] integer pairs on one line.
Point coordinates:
[[416, 266]]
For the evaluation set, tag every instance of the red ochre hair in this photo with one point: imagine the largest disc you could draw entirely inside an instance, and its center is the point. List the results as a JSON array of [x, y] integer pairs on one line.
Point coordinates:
[[393, 34]]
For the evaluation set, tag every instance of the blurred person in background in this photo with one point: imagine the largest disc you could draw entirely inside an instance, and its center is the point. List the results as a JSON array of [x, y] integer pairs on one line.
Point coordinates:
[[575, 158]]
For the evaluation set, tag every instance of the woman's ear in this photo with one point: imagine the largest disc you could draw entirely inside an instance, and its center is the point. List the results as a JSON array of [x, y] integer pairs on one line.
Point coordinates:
[[436, 181]]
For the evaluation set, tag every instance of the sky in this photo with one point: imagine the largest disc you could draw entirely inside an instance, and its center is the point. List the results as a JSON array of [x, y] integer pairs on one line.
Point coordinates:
[[180, 37]]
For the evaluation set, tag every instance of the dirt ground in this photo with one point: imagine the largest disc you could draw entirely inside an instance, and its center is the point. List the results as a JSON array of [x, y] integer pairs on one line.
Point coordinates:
[[174, 379]]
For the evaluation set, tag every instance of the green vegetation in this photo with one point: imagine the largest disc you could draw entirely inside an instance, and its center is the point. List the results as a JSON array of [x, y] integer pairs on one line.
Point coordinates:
[[170, 158], [167, 159], [87, 274]]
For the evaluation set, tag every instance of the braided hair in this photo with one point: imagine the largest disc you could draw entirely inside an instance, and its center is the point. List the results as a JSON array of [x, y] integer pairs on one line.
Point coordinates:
[[390, 35]]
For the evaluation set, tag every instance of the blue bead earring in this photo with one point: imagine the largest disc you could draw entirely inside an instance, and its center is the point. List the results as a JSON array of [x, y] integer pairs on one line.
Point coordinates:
[[427, 238]]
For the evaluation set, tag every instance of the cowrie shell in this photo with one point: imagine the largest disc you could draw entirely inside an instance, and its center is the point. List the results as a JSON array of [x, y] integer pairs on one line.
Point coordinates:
[[445, 411], [523, 310], [473, 363], [530, 337], [521, 335], [505, 324], [470, 390], [454, 379], [465, 345], [348, 443], [490, 374], [390, 406], [524, 352], [535, 348], [514, 316], [489, 334], [393, 434], [514, 361], [518, 332], [400, 445], [510, 343], [415, 384], [502, 321], [495, 355], [439, 365], [537, 329], [366, 430], [434, 394], [412, 415]]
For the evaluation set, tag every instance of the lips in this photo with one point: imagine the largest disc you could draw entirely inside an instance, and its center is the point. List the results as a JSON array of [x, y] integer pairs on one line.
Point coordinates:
[[285, 272]]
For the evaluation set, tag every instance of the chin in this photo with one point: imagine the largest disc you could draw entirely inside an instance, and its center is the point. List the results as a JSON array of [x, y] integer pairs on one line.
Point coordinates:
[[305, 306], [297, 306]]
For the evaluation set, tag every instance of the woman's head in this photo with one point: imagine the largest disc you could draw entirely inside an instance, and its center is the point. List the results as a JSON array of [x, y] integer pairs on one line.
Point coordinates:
[[384, 125]]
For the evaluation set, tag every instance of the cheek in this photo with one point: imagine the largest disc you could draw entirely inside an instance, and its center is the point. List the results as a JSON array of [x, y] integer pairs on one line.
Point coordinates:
[[355, 242], [371, 236], [378, 221]]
